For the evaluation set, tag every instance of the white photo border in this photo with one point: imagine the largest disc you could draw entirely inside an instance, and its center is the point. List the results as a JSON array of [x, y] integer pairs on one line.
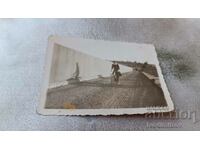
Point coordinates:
[[54, 39]]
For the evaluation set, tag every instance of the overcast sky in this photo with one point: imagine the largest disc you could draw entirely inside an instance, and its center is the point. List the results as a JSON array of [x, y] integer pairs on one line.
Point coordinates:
[[114, 50]]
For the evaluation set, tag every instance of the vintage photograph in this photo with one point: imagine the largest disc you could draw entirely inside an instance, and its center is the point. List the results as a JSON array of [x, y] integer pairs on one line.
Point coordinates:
[[95, 77]]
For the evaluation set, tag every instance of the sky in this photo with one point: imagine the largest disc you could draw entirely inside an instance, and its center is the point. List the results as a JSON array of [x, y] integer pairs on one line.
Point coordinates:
[[110, 50]]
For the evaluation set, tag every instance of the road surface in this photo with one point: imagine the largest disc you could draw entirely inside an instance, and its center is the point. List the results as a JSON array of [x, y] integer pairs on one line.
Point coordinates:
[[134, 91]]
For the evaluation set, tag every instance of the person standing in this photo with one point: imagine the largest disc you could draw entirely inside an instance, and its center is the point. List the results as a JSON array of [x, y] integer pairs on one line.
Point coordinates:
[[115, 71]]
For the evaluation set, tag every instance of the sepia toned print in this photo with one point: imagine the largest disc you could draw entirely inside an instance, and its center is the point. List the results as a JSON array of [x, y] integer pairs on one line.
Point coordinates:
[[92, 77]]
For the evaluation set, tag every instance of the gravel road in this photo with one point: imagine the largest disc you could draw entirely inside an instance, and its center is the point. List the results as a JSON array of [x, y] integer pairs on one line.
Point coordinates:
[[133, 91]]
